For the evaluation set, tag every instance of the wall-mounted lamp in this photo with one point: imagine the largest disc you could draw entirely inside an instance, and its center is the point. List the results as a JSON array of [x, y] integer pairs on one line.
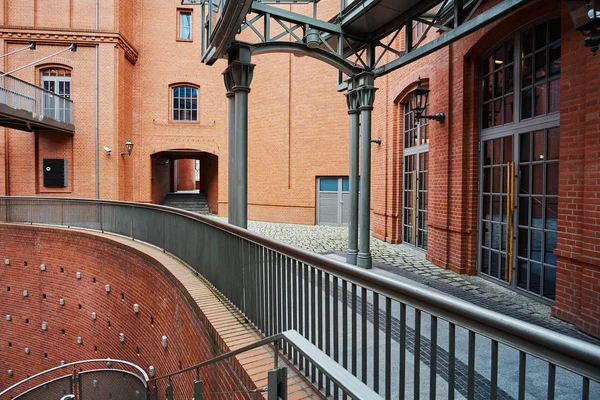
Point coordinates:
[[419, 101], [312, 38], [586, 18], [129, 145]]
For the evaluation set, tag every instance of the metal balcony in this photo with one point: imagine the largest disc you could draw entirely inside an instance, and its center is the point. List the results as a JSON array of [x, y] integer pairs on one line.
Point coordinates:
[[30, 108]]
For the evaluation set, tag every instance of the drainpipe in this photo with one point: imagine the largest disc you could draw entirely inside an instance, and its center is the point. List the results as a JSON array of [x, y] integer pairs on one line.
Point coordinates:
[[97, 110], [97, 132]]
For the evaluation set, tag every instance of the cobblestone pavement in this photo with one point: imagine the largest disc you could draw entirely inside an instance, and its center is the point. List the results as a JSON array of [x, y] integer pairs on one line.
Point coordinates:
[[406, 262]]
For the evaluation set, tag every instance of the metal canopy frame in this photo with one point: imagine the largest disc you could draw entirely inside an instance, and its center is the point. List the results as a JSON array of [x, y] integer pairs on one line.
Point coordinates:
[[340, 41]]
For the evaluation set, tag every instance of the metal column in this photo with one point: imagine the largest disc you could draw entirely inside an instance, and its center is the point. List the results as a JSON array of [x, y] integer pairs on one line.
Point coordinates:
[[352, 101], [239, 73], [366, 96], [231, 200]]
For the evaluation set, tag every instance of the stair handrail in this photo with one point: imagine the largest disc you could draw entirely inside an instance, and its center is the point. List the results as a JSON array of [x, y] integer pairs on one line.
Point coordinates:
[[143, 373], [347, 382]]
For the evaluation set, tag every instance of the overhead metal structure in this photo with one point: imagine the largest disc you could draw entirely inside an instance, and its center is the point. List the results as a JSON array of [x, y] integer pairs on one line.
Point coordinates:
[[355, 40], [360, 41]]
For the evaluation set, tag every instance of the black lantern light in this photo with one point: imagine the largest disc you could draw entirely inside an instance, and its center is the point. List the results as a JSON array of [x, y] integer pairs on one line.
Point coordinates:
[[419, 101], [586, 18], [129, 145]]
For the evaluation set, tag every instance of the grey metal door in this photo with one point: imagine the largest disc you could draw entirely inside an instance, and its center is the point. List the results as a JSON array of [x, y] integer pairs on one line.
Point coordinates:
[[333, 205]]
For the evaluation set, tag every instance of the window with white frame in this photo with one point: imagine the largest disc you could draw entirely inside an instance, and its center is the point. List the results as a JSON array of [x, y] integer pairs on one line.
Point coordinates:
[[56, 81], [185, 25]]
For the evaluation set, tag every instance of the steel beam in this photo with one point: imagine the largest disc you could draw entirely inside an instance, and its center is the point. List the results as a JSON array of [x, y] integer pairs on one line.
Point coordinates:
[[289, 16], [466, 28]]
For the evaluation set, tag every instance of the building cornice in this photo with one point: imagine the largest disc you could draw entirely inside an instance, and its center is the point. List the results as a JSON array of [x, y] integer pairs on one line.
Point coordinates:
[[81, 37]]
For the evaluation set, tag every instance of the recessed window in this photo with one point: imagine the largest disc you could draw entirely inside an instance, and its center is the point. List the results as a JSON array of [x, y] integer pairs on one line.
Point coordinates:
[[185, 103], [184, 25], [56, 81]]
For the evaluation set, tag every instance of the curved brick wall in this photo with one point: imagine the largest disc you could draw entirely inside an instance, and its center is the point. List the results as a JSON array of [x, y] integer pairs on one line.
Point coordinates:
[[165, 308]]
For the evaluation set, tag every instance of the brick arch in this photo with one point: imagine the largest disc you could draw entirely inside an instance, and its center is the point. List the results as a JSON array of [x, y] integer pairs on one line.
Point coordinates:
[[169, 147]]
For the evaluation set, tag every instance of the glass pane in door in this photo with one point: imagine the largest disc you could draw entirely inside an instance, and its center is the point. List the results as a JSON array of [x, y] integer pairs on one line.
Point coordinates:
[[538, 211], [495, 190]]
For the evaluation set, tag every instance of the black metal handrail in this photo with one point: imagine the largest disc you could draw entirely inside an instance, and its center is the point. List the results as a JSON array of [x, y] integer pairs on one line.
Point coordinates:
[[339, 308]]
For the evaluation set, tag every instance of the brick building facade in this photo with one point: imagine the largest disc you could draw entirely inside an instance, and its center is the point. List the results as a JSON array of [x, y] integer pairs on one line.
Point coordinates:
[[522, 93]]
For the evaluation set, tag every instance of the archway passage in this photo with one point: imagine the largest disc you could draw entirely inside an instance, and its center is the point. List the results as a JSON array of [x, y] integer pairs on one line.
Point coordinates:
[[186, 179]]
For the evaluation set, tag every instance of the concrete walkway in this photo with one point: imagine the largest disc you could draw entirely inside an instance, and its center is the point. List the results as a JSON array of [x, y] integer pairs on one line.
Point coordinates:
[[403, 262]]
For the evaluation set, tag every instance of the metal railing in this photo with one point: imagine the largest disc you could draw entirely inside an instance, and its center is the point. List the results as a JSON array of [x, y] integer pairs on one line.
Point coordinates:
[[400, 338], [287, 343], [88, 379], [22, 95]]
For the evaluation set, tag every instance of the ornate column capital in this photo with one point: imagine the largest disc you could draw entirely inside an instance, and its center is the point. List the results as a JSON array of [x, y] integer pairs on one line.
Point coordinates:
[[239, 76], [365, 88]]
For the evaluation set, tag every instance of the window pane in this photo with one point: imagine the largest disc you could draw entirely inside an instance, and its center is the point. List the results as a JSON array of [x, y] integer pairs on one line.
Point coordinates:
[[485, 116], [549, 256], [522, 274], [535, 277], [509, 80], [498, 83], [540, 99], [536, 212], [553, 148], [524, 178], [551, 213], [537, 178], [487, 88], [540, 36], [540, 66], [526, 71], [523, 242], [554, 28], [526, 42], [185, 24], [508, 143], [538, 145], [508, 109], [549, 282], [526, 104], [525, 147], [554, 59], [510, 52], [328, 184], [552, 179]]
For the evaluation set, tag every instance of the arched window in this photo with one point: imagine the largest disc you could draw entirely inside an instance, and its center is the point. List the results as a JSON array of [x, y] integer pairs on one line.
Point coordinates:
[[520, 145], [415, 177], [58, 81], [185, 103]]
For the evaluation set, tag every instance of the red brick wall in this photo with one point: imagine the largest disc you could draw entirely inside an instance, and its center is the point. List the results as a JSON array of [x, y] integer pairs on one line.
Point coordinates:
[[187, 174], [164, 308], [209, 180], [578, 248], [161, 180]]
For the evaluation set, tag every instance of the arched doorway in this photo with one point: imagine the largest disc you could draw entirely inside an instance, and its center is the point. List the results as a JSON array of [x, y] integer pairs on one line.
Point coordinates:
[[186, 179], [520, 159]]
